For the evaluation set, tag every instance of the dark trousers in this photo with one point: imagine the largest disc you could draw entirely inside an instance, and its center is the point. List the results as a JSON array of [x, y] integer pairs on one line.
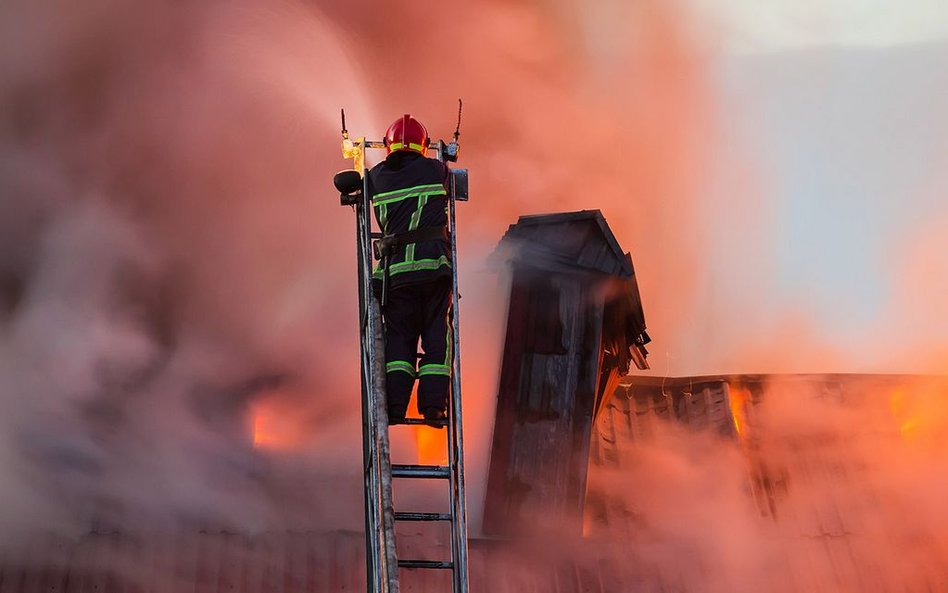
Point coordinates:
[[412, 312]]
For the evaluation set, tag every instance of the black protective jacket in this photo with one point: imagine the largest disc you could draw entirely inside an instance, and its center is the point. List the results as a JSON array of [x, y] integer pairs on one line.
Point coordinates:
[[409, 193]]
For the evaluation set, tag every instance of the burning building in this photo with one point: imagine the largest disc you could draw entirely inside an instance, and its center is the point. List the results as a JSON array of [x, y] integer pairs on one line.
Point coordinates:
[[819, 504], [601, 481]]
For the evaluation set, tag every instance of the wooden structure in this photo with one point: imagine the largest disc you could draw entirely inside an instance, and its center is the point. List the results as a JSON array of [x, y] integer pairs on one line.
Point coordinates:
[[574, 325]]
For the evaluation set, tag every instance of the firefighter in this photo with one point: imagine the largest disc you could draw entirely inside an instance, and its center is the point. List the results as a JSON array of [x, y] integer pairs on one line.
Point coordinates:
[[414, 274]]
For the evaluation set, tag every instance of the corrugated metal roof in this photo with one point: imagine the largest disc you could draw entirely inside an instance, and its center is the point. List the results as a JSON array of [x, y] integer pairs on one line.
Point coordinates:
[[289, 562], [812, 497], [815, 545]]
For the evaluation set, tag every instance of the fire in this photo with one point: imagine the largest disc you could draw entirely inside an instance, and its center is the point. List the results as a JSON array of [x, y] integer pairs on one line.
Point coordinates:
[[921, 415], [899, 406], [431, 444], [273, 427], [737, 398], [263, 420], [911, 414]]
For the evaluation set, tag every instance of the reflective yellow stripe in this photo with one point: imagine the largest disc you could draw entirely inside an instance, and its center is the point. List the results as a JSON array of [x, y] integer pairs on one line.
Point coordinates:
[[415, 266], [421, 193], [419, 264], [431, 189], [434, 369], [416, 215], [413, 225], [400, 365], [398, 146]]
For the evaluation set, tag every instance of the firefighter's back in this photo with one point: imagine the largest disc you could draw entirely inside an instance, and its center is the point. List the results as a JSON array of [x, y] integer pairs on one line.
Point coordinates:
[[408, 195]]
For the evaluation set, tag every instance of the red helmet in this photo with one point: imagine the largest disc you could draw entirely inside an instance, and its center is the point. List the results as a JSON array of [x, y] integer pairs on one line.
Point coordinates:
[[406, 133]]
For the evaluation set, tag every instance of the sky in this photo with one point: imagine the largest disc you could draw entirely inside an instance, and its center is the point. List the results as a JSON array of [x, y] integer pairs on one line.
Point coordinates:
[[747, 26], [835, 110], [811, 137]]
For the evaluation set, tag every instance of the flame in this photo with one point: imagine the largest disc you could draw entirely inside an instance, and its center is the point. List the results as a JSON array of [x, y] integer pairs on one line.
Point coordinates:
[[737, 399], [432, 446], [899, 407], [265, 434], [921, 415], [909, 413]]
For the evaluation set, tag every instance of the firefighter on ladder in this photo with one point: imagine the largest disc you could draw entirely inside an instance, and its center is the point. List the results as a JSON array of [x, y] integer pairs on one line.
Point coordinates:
[[414, 279]]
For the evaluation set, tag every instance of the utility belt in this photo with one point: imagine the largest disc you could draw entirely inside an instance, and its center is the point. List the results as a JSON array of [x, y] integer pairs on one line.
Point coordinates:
[[388, 245]]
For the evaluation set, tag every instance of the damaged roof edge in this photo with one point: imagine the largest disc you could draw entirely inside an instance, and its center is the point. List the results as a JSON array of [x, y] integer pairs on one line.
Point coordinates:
[[529, 241]]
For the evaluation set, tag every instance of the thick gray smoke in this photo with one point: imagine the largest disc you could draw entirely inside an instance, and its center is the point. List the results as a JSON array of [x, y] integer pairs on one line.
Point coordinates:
[[177, 277], [166, 260], [177, 292]]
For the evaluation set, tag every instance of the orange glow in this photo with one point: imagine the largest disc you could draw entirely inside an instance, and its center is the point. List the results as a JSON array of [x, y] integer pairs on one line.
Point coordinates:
[[921, 414], [915, 414], [274, 427], [737, 398], [910, 414], [899, 407], [432, 445]]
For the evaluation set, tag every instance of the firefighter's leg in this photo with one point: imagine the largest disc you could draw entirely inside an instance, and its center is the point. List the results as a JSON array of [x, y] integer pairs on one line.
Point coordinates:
[[434, 373], [401, 348]]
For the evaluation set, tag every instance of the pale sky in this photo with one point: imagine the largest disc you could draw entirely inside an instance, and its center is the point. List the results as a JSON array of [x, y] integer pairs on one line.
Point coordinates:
[[774, 25], [832, 128], [845, 127]]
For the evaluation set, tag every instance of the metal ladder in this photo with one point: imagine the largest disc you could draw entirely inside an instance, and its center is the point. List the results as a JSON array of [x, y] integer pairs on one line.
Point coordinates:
[[382, 563]]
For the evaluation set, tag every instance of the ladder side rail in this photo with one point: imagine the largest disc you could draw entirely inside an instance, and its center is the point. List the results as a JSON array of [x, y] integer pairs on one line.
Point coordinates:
[[374, 551], [385, 526], [372, 576], [455, 426], [383, 513], [459, 550], [372, 559]]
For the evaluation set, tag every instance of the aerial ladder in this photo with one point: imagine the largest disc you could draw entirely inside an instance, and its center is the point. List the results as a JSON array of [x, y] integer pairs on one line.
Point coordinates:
[[382, 562]]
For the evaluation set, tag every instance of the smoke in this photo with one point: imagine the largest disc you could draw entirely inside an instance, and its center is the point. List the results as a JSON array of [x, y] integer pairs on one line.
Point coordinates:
[[177, 279], [831, 487], [918, 335], [168, 258], [559, 115]]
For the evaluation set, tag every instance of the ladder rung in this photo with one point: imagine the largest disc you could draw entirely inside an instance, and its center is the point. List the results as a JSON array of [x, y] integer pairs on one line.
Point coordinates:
[[425, 564], [420, 471], [422, 516], [422, 422]]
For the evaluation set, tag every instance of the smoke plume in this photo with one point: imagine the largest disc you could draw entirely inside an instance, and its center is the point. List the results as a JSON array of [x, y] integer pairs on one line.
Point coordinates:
[[825, 490], [177, 285], [178, 278]]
